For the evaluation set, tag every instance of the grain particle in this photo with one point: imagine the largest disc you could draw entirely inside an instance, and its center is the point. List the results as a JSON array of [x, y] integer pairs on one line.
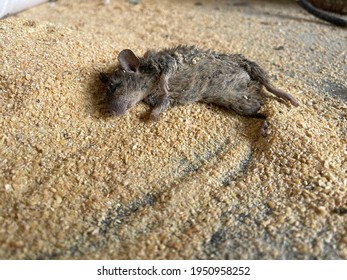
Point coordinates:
[[271, 205], [8, 188]]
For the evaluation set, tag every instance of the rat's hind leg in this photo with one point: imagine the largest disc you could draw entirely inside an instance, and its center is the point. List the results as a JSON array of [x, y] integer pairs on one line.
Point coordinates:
[[247, 104]]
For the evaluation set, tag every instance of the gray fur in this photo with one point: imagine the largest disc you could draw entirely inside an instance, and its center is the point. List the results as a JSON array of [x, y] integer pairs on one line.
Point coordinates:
[[186, 74]]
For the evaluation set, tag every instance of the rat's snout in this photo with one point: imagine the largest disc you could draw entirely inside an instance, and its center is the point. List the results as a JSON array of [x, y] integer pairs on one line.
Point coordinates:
[[120, 107]]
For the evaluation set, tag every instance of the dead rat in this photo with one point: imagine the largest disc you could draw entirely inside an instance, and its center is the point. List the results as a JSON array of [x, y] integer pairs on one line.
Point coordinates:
[[187, 74]]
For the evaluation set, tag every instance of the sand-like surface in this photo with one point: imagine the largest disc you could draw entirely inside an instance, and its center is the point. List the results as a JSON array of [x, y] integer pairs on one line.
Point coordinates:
[[200, 183]]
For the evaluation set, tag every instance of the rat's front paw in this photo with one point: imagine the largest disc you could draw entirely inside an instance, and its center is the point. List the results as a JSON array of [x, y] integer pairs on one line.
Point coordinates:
[[154, 117], [264, 129]]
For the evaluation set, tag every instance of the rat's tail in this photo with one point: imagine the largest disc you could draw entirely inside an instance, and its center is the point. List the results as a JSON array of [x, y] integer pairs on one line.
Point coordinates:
[[258, 74]]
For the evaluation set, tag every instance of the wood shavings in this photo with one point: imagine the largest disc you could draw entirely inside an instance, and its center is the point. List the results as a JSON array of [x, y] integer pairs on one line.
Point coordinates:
[[201, 183]]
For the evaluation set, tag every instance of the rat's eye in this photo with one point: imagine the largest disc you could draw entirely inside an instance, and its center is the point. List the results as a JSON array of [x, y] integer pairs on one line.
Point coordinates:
[[112, 86]]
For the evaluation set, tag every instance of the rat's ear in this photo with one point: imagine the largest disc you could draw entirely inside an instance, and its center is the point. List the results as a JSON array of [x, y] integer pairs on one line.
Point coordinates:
[[129, 61]]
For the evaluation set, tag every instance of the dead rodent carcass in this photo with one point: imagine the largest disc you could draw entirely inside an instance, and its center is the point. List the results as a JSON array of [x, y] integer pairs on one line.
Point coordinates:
[[187, 74]]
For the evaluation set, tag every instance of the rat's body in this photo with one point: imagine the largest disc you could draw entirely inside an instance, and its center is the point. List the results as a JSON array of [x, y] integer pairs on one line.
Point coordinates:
[[186, 74]]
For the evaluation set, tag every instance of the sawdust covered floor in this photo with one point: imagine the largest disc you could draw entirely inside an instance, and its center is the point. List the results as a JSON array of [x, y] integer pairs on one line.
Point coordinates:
[[201, 182]]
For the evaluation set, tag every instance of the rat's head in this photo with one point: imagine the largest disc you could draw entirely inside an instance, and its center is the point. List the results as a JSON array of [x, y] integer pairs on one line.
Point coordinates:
[[126, 86]]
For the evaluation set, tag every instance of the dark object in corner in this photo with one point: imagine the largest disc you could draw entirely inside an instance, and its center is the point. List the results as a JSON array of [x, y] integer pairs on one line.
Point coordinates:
[[322, 14]]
